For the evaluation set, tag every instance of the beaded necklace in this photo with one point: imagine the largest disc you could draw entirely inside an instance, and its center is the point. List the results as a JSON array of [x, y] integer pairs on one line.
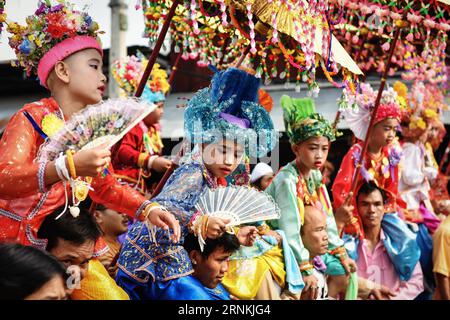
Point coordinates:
[[306, 191]]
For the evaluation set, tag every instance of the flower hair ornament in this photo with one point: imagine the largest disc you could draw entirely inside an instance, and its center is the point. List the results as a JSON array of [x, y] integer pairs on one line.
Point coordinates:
[[51, 34], [427, 102], [357, 108], [128, 72]]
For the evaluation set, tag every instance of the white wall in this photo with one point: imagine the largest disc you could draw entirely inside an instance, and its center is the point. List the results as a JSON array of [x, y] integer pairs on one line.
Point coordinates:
[[18, 10]]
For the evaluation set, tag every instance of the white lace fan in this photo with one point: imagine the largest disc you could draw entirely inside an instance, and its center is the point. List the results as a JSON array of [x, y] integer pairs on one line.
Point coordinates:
[[240, 204], [105, 122]]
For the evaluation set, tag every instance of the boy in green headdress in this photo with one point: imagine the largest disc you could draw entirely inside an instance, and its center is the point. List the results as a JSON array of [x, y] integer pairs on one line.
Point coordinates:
[[299, 184]]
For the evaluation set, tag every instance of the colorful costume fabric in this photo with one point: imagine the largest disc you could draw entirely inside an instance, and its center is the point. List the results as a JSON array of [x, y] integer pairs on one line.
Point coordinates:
[[98, 285], [414, 186], [383, 171], [284, 190], [25, 201], [131, 158], [133, 153]]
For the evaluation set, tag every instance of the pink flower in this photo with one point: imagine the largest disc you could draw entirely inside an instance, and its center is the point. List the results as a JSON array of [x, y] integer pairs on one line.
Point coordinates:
[[353, 6], [381, 12], [348, 36], [386, 46], [413, 18], [396, 16], [429, 23], [410, 37], [444, 26], [365, 10]]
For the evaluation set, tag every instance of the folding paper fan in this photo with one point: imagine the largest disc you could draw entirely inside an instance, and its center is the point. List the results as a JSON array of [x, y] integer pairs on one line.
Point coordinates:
[[104, 123], [240, 204]]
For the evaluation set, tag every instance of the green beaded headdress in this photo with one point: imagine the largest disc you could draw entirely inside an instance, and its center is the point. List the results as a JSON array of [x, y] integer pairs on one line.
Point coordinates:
[[303, 122]]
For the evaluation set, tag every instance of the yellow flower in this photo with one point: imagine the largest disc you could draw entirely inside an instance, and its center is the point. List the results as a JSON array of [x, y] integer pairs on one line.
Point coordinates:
[[51, 124], [421, 124], [371, 173], [31, 37], [401, 89], [14, 28], [2, 17], [430, 113], [402, 102]]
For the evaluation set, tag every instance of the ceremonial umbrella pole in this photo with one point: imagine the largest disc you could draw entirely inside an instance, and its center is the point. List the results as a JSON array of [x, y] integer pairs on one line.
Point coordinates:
[[355, 226], [151, 63], [156, 49], [174, 69]]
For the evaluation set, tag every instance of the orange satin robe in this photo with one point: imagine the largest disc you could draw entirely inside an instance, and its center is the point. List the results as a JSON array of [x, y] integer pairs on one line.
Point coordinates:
[[24, 200]]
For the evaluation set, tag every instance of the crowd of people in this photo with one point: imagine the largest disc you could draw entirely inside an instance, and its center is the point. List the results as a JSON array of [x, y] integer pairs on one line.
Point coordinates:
[[385, 236]]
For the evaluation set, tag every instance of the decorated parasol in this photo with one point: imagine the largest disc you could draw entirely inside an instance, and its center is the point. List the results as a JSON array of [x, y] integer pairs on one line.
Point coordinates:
[[269, 31], [366, 24], [400, 23]]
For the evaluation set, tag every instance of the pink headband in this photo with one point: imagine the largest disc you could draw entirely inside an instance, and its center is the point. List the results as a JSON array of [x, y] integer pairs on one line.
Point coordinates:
[[62, 50]]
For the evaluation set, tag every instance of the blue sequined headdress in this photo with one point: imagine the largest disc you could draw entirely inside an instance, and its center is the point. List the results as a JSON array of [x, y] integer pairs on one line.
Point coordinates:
[[229, 109]]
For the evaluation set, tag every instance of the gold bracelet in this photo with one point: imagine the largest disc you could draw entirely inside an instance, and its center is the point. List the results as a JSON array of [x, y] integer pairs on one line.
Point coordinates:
[[148, 209], [71, 163], [205, 222], [141, 159], [304, 266]]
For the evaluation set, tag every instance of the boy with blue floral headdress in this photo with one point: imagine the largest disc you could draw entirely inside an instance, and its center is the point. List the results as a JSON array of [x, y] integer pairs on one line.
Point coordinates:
[[221, 122]]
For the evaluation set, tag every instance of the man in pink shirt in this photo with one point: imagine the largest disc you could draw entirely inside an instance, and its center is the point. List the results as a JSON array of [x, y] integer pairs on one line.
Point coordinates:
[[373, 260]]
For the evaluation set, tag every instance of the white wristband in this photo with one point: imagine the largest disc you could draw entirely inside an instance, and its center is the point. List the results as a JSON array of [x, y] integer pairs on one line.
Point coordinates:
[[61, 168]]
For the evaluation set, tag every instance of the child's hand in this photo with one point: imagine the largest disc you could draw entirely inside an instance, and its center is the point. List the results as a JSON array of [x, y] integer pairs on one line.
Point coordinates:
[[247, 235], [165, 220], [274, 234], [161, 164], [349, 265], [89, 163], [216, 227]]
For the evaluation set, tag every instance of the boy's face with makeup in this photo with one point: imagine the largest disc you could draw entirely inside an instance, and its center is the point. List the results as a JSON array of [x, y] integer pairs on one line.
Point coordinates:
[[384, 132], [222, 158], [312, 153], [86, 79]]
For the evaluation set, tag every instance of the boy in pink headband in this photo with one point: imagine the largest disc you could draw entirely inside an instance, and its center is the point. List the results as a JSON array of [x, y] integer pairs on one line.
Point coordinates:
[[59, 44]]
